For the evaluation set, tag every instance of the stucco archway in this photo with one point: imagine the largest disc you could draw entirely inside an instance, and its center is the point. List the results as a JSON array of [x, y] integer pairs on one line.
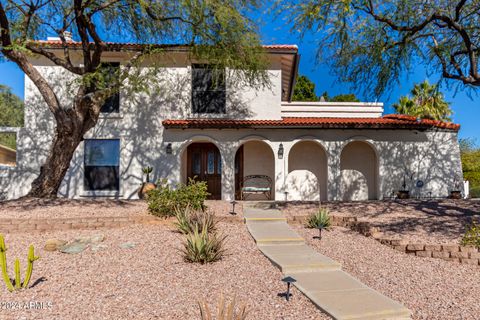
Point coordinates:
[[359, 172], [310, 156], [254, 157]]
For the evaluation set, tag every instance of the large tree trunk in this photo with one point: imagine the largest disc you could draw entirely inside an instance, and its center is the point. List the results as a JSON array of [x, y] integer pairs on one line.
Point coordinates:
[[70, 128], [53, 171]]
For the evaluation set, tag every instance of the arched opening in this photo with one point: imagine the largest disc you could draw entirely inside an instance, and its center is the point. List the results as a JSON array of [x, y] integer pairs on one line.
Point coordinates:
[[254, 171], [202, 161], [358, 164], [307, 172]]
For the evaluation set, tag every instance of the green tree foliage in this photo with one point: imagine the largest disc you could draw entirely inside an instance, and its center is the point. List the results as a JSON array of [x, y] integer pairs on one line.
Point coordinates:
[[372, 43], [217, 32], [470, 155], [11, 115], [11, 108], [426, 102], [349, 97], [304, 90]]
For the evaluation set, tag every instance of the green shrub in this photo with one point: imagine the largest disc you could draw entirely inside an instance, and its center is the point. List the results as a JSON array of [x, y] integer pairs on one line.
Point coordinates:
[[163, 200], [475, 192], [472, 236], [319, 219], [203, 247], [188, 219]]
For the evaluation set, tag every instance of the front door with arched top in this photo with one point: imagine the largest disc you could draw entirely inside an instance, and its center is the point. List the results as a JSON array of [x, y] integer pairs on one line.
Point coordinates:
[[204, 163]]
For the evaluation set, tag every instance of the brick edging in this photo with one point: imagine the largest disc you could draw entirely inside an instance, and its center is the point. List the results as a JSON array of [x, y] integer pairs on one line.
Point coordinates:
[[14, 225], [448, 252]]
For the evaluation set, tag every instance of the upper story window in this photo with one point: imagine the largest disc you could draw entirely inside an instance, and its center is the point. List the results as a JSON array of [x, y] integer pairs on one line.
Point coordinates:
[[208, 89], [112, 104]]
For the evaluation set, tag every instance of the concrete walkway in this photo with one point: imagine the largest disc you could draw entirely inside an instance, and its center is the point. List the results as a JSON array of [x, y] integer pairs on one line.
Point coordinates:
[[317, 276]]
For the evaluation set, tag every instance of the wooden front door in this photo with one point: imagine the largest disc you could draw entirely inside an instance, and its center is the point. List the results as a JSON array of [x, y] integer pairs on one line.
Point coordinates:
[[204, 163]]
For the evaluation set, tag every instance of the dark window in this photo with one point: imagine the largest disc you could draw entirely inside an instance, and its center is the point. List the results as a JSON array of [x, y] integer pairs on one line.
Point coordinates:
[[102, 164], [208, 89], [112, 103]]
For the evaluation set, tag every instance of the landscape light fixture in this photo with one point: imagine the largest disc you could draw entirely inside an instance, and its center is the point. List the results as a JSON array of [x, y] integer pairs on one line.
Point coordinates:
[[288, 280], [280, 151], [169, 148], [233, 207]]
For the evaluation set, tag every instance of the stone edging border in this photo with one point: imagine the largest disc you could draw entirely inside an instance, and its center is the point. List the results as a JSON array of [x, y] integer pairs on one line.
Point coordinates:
[[14, 225], [448, 252]]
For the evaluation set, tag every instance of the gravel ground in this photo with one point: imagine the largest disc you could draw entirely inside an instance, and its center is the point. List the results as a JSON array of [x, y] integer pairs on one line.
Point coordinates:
[[431, 288], [442, 221], [149, 281]]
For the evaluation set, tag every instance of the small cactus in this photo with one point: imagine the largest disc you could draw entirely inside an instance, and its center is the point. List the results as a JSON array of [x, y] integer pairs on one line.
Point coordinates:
[[3, 263], [31, 259]]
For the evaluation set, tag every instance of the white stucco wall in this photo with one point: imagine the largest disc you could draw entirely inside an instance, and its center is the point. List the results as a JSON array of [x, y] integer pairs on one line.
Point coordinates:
[[430, 156]]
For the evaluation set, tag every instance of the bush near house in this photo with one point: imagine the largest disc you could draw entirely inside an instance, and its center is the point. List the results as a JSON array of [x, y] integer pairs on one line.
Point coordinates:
[[472, 236], [164, 200]]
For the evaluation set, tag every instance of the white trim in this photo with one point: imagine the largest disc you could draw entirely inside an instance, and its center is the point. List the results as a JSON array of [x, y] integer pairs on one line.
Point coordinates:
[[332, 109]]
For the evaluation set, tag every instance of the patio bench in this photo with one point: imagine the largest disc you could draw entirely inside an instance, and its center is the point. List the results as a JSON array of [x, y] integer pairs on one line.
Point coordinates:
[[256, 184]]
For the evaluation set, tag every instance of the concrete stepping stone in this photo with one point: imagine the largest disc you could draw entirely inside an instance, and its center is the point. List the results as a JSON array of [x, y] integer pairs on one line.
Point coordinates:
[[317, 276], [254, 215], [274, 232], [344, 297], [297, 258]]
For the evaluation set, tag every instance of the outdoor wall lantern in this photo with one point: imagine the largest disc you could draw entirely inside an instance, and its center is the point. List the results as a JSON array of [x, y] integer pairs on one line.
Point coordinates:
[[280, 151], [169, 148]]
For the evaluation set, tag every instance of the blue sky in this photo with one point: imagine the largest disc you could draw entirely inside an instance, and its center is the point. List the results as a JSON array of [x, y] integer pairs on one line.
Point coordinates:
[[466, 109]]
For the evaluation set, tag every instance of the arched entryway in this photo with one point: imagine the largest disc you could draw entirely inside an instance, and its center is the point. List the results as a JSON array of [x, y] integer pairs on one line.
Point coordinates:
[[304, 159], [254, 158], [202, 161], [359, 166]]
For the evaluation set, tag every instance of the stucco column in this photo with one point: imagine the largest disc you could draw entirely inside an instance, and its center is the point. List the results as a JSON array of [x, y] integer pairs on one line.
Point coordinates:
[[334, 172], [228, 170], [280, 170]]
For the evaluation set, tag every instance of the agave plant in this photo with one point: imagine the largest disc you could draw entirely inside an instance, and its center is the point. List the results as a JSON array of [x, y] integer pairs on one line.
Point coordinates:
[[319, 220], [224, 311], [203, 247], [146, 171], [188, 218]]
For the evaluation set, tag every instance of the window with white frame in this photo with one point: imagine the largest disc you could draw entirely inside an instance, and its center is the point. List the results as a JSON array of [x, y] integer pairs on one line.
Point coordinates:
[[102, 165]]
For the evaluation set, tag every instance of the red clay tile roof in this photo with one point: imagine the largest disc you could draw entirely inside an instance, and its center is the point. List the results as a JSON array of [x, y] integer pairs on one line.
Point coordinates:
[[385, 122], [56, 44]]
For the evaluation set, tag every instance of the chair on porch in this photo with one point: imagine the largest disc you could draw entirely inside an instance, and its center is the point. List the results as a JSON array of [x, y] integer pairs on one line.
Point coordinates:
[[256, 184]]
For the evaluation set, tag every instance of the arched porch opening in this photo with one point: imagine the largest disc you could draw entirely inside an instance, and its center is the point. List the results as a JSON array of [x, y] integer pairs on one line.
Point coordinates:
[[359, 172], [307, 172], [254, 158], [202, 161]]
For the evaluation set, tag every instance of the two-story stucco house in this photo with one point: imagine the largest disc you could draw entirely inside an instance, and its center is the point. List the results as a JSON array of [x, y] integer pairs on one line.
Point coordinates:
[[220, 133]]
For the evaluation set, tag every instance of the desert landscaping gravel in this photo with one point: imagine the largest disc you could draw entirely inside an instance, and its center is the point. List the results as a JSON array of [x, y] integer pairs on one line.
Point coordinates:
[[150, 280], [431, 288], [434, 221]]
